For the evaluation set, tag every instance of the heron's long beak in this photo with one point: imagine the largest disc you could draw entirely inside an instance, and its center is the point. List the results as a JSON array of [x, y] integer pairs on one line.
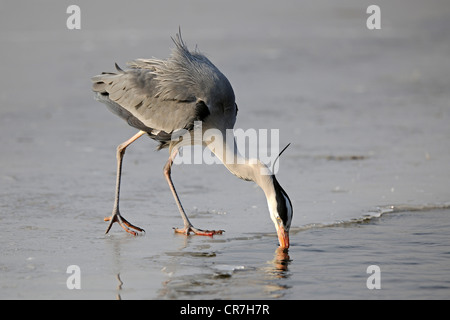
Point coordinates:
[[283, 237]]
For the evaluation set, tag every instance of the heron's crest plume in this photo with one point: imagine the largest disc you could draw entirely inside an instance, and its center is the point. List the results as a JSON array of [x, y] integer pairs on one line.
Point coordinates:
[[276, 159]]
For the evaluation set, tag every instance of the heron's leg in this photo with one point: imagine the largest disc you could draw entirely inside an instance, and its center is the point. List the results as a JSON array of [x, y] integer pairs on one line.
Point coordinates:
[[115, 216], [188, 227]]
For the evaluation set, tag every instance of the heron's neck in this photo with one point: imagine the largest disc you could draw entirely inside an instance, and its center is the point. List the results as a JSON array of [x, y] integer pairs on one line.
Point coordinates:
[[242, 167]]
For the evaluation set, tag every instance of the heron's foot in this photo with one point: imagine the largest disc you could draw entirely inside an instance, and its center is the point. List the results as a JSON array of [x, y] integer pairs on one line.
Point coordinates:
[[187, 230], [116, 217]]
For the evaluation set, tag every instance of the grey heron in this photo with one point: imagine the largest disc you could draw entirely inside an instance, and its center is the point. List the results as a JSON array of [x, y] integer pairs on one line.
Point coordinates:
[[160, 98]]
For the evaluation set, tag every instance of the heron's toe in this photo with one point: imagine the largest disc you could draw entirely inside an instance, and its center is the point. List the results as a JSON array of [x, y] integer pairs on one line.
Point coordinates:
[[199, 232], [123, 223]]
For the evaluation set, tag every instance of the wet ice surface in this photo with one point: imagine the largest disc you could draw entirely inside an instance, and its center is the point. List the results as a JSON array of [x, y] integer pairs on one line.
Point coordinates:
[[366, 113], [411, 249]]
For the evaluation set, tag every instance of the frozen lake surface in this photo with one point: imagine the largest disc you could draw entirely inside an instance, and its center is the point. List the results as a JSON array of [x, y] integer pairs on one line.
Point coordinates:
[[368, 169]]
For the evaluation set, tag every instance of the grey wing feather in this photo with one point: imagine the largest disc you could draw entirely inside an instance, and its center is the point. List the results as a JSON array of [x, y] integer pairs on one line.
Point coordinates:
[[133, 95], [163, 96]]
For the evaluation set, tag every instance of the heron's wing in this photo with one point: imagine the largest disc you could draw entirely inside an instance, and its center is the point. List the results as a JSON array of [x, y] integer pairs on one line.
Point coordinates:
[[133, 95]]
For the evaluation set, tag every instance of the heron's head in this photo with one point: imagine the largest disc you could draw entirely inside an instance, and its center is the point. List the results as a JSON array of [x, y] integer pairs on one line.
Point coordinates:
[[281, 212], [280, 206]]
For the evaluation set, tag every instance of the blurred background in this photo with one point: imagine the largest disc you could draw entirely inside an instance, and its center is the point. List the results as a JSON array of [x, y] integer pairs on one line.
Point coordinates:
[[366, 112]]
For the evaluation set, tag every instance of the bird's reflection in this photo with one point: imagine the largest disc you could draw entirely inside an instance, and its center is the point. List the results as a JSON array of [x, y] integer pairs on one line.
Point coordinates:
[[119, 287], [116, 250], [269, 274], [276, 273], [280, 263]]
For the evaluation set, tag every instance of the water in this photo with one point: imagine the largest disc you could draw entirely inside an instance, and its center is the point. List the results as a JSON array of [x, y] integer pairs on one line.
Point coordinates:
[[367, 171], [411, 249]]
